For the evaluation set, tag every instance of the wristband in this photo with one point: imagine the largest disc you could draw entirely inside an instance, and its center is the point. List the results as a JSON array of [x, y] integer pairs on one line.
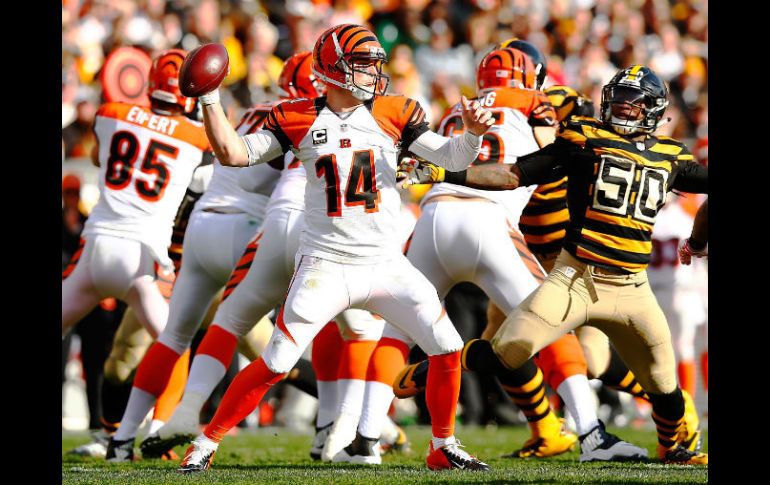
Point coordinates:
[[457, 178], [209, 98]]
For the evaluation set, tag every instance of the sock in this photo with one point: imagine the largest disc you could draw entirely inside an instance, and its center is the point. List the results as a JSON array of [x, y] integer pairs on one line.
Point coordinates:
[[139, 404], [155, 425], [685, 371], [442, 393], [439, 442], [210, 364], [619, 377], [351, 374], [155, 369], [668, 414], [388, 358], [241, 398], [579, 401], [170, 397], [325, 359], [704, 369]]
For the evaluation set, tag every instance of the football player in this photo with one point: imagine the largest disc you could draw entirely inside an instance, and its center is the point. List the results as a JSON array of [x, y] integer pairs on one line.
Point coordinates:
[[619, 173], [450, 245], [223, 222], [697, 244], [348, 255]]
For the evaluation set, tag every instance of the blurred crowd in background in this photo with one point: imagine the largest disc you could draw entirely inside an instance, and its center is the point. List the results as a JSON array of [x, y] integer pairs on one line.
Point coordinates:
[[434, 47]]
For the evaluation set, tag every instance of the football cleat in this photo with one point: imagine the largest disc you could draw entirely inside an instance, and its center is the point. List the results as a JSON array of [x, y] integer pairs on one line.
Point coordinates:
[[319, 440], [180, 429], [97, 447], [693, 440], [451, 456], [362, 451], [679, 455], [599, 445], [120, 451], [550, 438], [411, 380], [341, 434], [400, 445], [198, 456]]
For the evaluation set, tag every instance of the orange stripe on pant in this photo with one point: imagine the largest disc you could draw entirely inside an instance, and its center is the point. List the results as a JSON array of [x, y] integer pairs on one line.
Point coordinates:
[[171, 396], [73, 260], [325, 356], [562, 359], [219, 344]]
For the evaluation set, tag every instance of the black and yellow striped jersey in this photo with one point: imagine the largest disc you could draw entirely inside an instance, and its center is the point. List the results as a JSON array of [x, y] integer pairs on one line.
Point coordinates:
[[545, 218], [615, 188]]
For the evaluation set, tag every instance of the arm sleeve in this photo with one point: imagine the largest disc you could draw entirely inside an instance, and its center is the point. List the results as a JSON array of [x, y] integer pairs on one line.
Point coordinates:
[[454, 153], [544, 165], [262, 146], [692, 178]]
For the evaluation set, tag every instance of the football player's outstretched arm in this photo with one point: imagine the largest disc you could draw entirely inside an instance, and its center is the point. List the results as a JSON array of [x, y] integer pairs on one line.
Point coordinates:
[[456, 153], [230, 148]]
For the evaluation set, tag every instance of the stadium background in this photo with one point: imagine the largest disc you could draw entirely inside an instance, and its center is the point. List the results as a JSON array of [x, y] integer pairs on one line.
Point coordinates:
[[433, 46]]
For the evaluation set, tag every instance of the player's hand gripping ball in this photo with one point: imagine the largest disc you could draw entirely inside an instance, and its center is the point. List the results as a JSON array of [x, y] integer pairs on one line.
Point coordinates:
[[203, 70]]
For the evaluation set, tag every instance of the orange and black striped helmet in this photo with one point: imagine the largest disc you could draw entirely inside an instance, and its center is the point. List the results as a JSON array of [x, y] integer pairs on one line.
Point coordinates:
[[343, 51], [505, 68], [297, 79], [537, 57], [164, 79]]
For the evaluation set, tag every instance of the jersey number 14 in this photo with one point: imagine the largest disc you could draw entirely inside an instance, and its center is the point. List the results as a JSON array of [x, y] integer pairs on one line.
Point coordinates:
[[361, 188]]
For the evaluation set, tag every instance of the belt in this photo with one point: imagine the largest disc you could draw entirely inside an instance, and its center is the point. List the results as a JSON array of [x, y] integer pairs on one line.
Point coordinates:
[[223, 210], [610, 271]]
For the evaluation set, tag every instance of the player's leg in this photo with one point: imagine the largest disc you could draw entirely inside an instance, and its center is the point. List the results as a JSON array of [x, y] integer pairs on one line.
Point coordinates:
[[643, 340], [360, 332], [405, 298], [325, 359], [305, 312], [79, 295]]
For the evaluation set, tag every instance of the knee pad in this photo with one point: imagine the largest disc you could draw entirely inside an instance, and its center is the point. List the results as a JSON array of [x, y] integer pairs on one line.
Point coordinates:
[[513, 353], [445, 338], [281, 353]]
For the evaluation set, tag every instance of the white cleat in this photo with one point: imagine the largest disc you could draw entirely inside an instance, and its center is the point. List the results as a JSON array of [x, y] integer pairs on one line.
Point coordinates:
[[362, 451], [319, 440], [599, 445], [342, 433], [97, 447]]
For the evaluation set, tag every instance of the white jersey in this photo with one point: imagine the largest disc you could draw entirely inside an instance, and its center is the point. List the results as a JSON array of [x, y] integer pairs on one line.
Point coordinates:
[[352, 204], [146, 163], [672, 226], [289, 192], [245, 189], [515, 111]]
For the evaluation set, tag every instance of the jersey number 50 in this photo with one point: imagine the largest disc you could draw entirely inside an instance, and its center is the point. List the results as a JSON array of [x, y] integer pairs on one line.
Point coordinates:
[[124, 151], [619, 178], [361, 187]]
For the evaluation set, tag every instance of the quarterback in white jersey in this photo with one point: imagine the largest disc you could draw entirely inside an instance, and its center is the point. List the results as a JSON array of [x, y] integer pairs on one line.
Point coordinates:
[[348, 255], [146, 159]]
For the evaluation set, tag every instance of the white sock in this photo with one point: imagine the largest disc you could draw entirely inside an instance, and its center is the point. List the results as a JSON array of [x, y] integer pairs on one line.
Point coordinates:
[[377, 399], [192, 400], [155, 425], [327, 403], [350, 395], [205, 374], [580, 402], [439, 442], [139, 404]]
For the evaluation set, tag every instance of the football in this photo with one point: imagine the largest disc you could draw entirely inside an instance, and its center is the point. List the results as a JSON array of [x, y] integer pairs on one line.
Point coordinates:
[[203, 70]]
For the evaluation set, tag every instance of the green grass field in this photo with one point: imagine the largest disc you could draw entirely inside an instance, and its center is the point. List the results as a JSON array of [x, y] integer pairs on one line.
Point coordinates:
[[275, 455]]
